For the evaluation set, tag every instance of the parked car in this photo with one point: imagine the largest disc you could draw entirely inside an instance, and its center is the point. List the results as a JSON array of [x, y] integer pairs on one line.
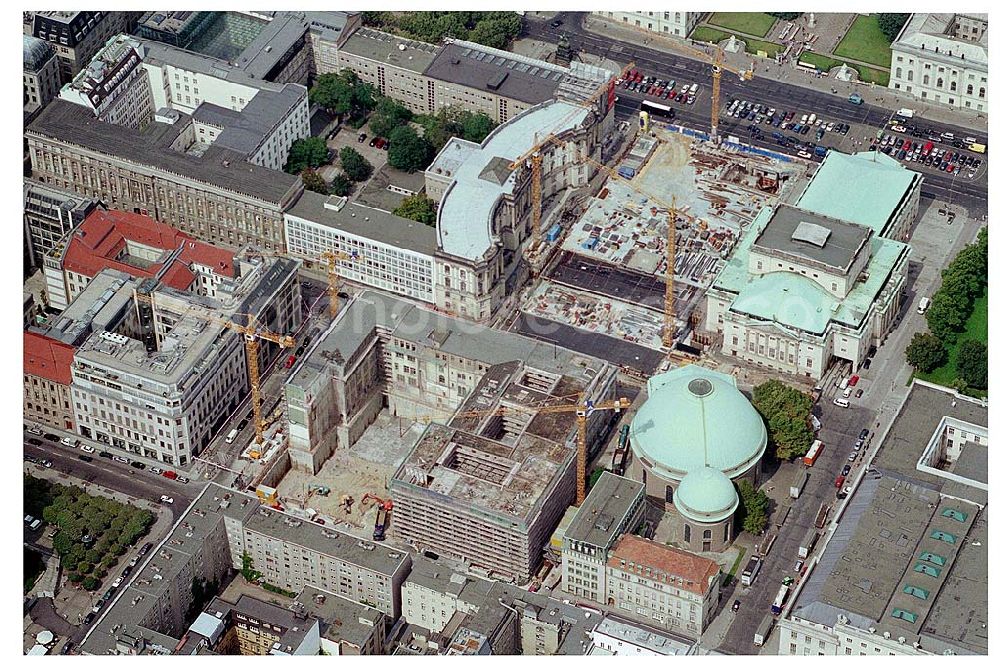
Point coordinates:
[[137, 464], [121, 459], [182, 479], [86, 459], [362, 137], [34, 442], [853, 455], [290, 361], [166, 499], [155, 470], [846, 470], [798, 565], [87, 448], [736, 606], [105, 454]]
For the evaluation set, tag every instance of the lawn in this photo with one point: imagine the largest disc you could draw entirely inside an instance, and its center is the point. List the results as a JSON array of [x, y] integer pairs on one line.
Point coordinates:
[[704, 33], [92, 532], [975, 329], [826, 63], [750, 23], [865, 42]]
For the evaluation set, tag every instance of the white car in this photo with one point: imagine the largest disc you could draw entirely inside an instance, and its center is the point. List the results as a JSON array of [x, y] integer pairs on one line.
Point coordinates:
[[118, 581], [67, 441], [804, 154], [166, 499], [87, 448], [155, 470], [798, 565], [35, 430], [840, 402]]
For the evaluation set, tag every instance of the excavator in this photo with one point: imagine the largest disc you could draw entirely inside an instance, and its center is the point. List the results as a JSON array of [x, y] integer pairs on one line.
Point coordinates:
[[382, 517]]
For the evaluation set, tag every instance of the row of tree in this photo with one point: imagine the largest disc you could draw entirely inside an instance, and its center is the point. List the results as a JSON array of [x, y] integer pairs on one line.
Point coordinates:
[[93, 532], [962, 282], [495, 29], [785, 411], [785, 16], [891, 24]]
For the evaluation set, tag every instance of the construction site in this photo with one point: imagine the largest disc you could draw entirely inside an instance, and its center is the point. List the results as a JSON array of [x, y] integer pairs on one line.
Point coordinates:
[[610, 276]]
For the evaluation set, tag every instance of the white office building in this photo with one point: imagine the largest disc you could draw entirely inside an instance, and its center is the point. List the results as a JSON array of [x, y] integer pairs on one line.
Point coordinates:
[[679, 24]]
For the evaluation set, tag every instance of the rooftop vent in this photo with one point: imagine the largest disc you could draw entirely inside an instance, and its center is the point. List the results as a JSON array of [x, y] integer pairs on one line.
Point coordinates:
[[814, 234]]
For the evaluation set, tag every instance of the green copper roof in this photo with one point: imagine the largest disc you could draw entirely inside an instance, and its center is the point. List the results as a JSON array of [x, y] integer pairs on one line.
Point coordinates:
[[787, 298], [695, 417], [864, 188], [706, 495]]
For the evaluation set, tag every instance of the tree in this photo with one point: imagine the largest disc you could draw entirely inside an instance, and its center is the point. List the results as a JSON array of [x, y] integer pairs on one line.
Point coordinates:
[[785, 411], [891, 24], [307, 153], [341, 185], [496, 30], [971, 363], [418, 208], [389, 114], [314, 182], [90, 583], [250, 574], [476, 126], [785, 16], [752, 513], [408, 151], [355, 165], [926, 352], [343, 93], [947, 315]]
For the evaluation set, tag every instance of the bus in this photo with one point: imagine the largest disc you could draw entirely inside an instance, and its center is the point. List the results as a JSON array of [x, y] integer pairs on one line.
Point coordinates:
[[657, 110], [813, 454], [750, 571], [779, 600]]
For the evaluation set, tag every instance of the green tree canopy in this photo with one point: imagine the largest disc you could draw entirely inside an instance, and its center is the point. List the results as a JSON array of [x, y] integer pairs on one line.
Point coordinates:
[[476, 126], [389, 114], [751, 516], [926, 352], [306, 154], [314, 182], [343, 93], [971, 364], [418, 208], [947, 314], [355, 166], [494, 29], [891, 24], [408, 151], [785, 411], [785, 16], [250, 574], [341, 185]]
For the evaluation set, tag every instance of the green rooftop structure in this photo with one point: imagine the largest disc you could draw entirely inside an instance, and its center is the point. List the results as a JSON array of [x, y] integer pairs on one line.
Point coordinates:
[[865, 188]]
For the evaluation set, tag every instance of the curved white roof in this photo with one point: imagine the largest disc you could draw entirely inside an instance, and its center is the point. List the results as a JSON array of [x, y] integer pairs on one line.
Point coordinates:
[[466, 210]]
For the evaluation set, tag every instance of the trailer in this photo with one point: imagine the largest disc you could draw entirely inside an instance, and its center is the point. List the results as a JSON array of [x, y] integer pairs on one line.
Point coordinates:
[[779, 600], [751, 570], [807, 546], [763, 631], [813, 454], [821, 516], [781, 516], [795, 490]]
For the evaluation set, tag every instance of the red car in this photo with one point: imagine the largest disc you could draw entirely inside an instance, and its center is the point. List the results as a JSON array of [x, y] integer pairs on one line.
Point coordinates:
[[853, 381], [672, 94], [839, 482], [290, 362], [906, 145], [950, 168], [170, 474]]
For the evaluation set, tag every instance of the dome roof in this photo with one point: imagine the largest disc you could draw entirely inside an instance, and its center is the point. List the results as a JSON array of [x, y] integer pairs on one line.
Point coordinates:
[[694, 418], [706, 495], [36, 53]]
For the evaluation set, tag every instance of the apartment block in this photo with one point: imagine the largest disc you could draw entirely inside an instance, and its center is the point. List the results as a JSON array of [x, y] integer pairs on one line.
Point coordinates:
[[250, 626], [346, 627], [49, 214], [162, 171], [137, 245], [40, 75], [47, 381], [614, 506], [114, 85]]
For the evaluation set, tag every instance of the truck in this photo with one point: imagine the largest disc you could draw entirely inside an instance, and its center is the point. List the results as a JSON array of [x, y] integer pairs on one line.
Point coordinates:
[[380, 521], [750, 571], [813, 453], [628, 173], [231, 437], [795, 490], [821, 516], [779, 600], [763, 631], [806, 546], [782, 515], [905, 113]]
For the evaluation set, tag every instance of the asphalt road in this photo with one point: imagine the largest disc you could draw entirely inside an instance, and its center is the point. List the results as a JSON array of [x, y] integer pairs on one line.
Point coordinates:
[[778, 94]]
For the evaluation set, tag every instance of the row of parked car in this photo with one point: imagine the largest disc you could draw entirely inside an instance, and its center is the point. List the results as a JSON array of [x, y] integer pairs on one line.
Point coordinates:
[[126, 572], [375, 142], [762, 115], [943, 159], [654, 87]]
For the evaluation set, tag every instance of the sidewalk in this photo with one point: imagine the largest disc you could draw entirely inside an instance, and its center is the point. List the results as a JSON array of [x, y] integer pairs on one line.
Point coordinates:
[[787, 73]]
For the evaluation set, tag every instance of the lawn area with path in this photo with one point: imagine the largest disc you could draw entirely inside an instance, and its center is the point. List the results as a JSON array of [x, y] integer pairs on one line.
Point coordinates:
[[704, 33], [866, 42], [752, 23], [975, 329], [827, 64]]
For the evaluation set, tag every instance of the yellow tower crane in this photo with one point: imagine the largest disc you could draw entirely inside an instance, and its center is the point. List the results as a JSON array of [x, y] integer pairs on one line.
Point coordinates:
[[332, 258], [252, 335], [668, 303]]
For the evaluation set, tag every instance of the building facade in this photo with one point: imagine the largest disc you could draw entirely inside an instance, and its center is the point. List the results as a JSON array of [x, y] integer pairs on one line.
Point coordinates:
[[668, 587], [942, 58], [77, 36], [49, 215], [40, 75], [678, 24], [114, 85], [47, 381]]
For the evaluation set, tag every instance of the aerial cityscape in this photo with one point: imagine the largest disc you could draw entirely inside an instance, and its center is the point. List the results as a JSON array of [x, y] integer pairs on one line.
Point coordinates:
[[505, 333]]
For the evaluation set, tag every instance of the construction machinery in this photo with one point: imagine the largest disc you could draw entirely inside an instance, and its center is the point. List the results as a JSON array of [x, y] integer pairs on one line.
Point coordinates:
[[332, 258], [534, 154], [381, 517], [252, 335], [345, 503], [317, 489]]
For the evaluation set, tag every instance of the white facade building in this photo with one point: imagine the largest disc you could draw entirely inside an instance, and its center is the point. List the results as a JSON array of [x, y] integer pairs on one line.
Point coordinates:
[[114, 85], [679, 24], [942, 58]]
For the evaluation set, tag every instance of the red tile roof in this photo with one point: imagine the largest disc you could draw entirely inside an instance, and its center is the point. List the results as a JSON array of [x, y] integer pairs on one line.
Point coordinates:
[[47, 358], [694, 571], [101, 238]]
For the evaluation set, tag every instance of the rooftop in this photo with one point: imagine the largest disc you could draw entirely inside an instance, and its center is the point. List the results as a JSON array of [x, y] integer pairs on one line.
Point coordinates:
[[466, 210], [390, 49], [102, 305], [47, 358], [864, 188], [340, 619], [643, 636], [372, 223], [799, 233], [936, 33], [602, 513], [109, 67], [244, 131], [217, 168], [292, 628], [673, 566], [37, 52]]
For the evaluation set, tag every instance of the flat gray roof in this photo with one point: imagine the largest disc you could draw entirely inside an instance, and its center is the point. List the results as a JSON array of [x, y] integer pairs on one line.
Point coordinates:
[[271, 45], [244, 131], [384, 47], [512, 76], [823, 239], [366, 222], [218, 167], [599, 519], [911, 431], [340, 619]]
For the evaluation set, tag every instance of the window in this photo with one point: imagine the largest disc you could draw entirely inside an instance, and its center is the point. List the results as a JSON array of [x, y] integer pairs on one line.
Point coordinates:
[[687, 534], [707, 534], [669, 495]]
